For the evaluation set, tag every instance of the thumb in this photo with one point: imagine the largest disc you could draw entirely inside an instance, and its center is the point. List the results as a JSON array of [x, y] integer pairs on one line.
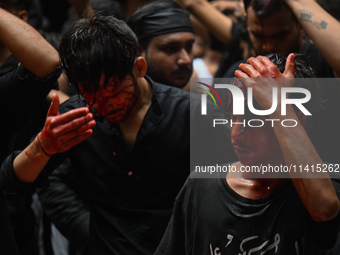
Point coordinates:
[[290, 66], [53, 110]]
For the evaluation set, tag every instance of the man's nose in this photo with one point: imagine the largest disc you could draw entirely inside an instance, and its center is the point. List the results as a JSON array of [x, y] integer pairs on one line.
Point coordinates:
[[238, 129], [184, 58]]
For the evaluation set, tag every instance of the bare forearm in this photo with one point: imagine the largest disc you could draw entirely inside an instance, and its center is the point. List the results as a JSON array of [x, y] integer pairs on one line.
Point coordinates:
[[30, 162], [321, 27], [216, 22], [30, 48], [316, 192]]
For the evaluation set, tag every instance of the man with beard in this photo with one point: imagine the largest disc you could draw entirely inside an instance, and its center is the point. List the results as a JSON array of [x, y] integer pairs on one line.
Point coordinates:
[[166, 39], [278, 27], [281, 27]]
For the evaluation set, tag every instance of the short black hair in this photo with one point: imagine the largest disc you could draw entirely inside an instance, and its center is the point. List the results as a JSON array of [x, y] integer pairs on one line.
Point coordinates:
[[264, 8], [101, 45]]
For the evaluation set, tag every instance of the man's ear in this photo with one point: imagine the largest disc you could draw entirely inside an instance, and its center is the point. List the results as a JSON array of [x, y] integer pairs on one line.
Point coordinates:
[[23, 15], [140, 67]]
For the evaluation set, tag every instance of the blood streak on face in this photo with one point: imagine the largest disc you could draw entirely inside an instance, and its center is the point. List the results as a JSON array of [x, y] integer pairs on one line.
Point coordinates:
[[115, 101]]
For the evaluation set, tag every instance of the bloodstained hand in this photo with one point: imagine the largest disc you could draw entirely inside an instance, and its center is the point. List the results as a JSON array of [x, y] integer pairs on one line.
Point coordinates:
[[63, 131], [267, 76]]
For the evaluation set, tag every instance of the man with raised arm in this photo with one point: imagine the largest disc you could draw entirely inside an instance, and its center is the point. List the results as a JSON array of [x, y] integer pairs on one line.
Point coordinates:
[[244, 212], [21, 92]]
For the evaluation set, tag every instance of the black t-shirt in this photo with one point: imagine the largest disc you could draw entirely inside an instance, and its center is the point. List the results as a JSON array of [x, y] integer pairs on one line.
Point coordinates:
[[210, 218]]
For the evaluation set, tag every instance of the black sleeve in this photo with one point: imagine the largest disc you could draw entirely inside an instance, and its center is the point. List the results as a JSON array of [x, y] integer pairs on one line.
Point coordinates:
[[21, 92], [10, 182], [62, 201], [8, 178]]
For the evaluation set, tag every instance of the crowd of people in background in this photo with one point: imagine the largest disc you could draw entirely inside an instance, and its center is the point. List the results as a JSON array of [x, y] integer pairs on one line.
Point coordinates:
[[97, 128]]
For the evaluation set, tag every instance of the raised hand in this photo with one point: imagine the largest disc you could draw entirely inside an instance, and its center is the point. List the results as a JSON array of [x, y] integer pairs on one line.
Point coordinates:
[[63, 131], [262, 67], [60, 133]]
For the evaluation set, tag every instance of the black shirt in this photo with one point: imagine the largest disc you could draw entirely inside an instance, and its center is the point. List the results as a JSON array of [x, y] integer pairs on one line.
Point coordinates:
[[210, 218], [131, 193]]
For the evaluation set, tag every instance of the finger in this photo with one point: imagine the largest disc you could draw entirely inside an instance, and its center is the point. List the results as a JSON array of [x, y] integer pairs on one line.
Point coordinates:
[[62, 141], [73, 125], [257, 64], [265, 61], [69, 116], [239, 74], [290, 66], [269, 67], [77, 140], [86, 126], [53, 110], [249, 70], [75, 133]]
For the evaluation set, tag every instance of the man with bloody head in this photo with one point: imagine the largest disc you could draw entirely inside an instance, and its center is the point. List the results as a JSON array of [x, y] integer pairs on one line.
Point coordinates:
[[252, 211], [133, 166]]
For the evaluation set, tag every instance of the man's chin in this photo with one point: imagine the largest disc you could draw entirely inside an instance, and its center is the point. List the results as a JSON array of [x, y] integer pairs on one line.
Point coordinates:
[[116, 119], [173, 81], [180, 83]]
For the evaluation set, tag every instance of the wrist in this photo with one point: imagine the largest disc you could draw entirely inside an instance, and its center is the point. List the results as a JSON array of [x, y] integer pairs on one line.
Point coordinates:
[[40, 146], [289, 114]]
